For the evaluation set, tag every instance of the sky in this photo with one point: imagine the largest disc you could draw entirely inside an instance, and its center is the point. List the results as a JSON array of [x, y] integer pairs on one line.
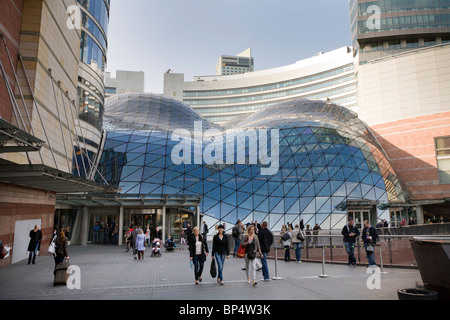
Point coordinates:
[[188, 36]]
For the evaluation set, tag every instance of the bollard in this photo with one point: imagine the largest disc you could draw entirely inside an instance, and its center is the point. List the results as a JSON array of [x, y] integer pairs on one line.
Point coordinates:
[[276, 269], [323, 275]]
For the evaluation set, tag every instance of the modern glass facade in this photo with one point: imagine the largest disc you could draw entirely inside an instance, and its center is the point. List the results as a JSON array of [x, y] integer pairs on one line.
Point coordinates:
[[327, 157], [93, 50], [393, 26]]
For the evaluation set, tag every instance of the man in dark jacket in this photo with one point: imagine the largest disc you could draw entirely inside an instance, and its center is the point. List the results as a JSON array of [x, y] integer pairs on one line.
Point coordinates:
[[133, 237], [369, 237], [350, 232], [188, 233], [34, 244], [265, 238]]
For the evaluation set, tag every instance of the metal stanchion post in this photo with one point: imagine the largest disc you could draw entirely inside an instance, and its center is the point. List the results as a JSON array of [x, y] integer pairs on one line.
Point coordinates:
[[381, 262], [323, 275], [276, 268]]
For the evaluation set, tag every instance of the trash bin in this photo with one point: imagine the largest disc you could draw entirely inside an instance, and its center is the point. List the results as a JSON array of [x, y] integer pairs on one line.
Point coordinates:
[[433, 259]]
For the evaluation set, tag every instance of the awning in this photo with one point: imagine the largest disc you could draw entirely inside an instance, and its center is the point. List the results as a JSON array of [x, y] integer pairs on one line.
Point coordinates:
[[45, 178], [127, 200], [13, 139]]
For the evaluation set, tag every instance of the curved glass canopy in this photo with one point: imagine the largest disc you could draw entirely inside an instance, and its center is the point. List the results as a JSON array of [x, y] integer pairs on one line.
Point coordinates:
[[321, 156]]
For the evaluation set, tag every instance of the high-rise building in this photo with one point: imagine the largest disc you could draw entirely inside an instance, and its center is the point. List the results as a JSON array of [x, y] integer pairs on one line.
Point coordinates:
[[39, 123], [124, 82], [386, 27], [240, 63], [223, 98], [91, 79], [402, 63]]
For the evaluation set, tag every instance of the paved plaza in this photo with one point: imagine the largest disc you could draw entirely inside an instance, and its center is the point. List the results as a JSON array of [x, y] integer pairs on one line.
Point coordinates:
[[107, 272]]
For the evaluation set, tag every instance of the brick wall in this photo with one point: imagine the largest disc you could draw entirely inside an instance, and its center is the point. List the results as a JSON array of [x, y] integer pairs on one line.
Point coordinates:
[[410, 145], [19, 203]]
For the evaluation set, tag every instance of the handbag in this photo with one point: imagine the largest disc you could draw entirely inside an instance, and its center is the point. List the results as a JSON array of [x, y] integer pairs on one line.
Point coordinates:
[[300, 237], [250, 250], [213, 269], [51, 248], [241, 252], [258, 264]]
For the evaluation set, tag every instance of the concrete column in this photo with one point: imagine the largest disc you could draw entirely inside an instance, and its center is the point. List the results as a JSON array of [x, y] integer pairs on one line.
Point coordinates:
[[198, 217], [419, 215], [84, 227], [164, 224], [120, 226]]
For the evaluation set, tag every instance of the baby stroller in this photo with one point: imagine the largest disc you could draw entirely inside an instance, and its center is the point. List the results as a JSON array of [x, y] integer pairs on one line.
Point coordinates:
[[170, 245], [156, 248]]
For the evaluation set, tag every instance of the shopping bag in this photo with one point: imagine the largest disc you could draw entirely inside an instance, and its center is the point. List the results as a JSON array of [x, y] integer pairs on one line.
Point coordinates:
[[213, 269], [241, 252]]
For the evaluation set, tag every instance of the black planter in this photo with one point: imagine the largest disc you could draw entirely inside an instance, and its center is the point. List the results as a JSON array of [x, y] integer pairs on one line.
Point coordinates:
[[417, 294]]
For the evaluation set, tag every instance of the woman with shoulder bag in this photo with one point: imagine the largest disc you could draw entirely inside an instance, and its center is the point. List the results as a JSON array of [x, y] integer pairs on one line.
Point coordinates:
[[61, 244], [251, 243], [297, 241]]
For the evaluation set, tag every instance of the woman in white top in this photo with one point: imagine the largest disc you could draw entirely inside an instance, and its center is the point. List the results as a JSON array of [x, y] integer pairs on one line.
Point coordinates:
[[140, 244], [287, 245], [198, 250]]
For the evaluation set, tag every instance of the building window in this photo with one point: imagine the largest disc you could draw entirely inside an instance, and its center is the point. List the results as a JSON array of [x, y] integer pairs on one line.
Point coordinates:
[[443, 159]]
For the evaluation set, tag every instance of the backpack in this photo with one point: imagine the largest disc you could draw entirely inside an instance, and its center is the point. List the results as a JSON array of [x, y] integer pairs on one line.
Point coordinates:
[[235, 232], [285, 237]]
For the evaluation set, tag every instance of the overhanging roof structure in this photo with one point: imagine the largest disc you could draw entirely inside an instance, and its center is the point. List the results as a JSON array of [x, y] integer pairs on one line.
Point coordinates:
[[49, 179], [127, 200]]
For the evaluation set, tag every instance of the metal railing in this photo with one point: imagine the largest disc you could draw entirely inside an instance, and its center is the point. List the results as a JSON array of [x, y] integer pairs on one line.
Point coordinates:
[[393, 250]]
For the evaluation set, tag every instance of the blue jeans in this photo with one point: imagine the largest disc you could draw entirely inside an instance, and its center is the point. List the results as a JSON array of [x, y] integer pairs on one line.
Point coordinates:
[[350, 249], [33, 254], [198, 267], [298, 250], [237, 243], [370, 256], [220, 258], [265, 267]]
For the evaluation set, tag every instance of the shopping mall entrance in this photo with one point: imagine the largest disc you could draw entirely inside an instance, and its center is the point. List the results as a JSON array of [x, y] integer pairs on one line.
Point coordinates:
[[104, 219]]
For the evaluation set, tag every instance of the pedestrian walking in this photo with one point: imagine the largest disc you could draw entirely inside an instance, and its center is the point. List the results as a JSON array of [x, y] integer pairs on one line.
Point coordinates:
[[61, 244], [198, 250], [308, 235], [97, 229], [237, 232], [188, 232], [220, 251], [265, 238], [350, 233], [302, 225], [252, 246], [182, 237], [34, 244], [205, 230], [370, 237], [286, 243], [297, 243], [140, 244], [128, 237], [134, 235], [316, 233]]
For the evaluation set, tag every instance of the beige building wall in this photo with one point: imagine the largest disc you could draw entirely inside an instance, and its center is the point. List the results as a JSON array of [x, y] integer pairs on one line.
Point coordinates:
[[404, 86], [47, 43]]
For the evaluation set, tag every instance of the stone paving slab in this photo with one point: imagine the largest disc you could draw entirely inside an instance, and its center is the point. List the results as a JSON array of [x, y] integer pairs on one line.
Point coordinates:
[[107, 272]]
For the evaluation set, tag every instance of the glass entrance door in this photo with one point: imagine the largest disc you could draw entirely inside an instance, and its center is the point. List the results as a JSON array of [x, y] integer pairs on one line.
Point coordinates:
[[359, 216], [177, 223]]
